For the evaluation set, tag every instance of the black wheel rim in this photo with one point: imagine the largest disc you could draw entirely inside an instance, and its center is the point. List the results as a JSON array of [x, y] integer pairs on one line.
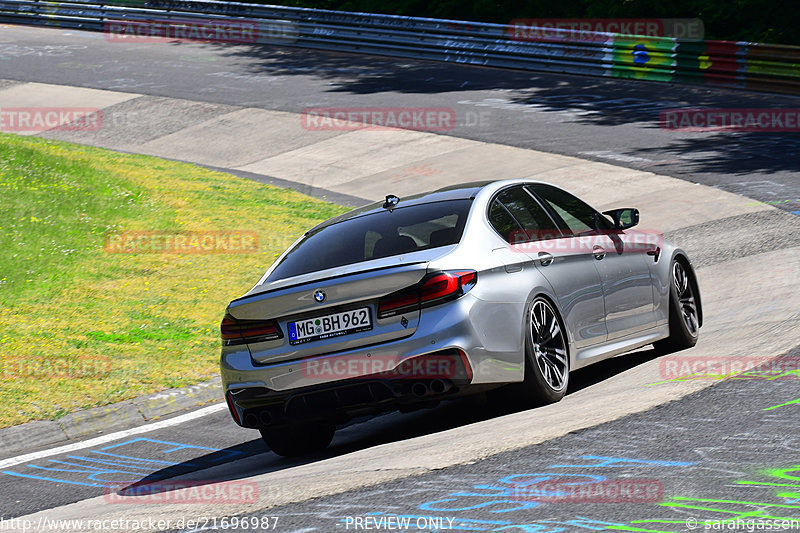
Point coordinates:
[[549, 346], [686, 300]]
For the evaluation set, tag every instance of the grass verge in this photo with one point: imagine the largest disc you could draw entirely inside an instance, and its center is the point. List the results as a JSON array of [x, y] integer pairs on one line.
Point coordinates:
[[81, 326]]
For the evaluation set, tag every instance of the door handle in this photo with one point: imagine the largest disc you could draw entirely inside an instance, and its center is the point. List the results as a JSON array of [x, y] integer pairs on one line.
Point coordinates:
[[655, 252], [545, 258], [598, 252]]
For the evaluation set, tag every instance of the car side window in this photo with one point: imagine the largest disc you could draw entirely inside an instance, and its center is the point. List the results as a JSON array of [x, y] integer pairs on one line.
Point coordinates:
[[577, 215], [533, 219], [503, 222]]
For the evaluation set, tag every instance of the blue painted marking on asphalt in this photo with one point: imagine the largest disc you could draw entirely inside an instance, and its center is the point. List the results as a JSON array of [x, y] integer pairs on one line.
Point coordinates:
[[87, 469], [535, 479], [109, 463], [10, 473], [429, 506], [93, 471], [142, 460], [612, 462], [178, 445], [507, 498]]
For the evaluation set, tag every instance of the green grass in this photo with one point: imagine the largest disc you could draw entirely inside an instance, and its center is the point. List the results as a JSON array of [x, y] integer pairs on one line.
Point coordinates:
[[81, 327]]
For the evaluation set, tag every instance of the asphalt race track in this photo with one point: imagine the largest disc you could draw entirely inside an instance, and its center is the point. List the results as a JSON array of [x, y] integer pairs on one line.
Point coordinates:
[[604, 120], [693, 448], [674, 455]]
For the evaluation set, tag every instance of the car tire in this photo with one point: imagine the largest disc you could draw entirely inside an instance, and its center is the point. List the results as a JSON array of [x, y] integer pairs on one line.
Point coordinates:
[[546, 357], [298, 439], [684, 322]]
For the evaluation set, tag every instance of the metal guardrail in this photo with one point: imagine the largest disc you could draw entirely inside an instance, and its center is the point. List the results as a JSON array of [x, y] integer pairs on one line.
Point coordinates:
[[743, 65]]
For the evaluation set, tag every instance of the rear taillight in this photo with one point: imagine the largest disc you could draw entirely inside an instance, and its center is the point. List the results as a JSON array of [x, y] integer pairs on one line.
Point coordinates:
[[432, 290], [398, 302], [235, 331]]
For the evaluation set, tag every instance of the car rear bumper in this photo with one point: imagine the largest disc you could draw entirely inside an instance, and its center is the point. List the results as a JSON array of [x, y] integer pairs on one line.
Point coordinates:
[[448, 353], [258, 407]]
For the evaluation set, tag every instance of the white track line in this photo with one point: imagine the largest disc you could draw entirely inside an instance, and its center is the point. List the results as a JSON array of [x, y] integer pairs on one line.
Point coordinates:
[[5, 463]]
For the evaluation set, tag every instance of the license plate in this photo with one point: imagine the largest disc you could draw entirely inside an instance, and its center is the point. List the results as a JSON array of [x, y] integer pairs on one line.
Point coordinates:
[[325, 327]]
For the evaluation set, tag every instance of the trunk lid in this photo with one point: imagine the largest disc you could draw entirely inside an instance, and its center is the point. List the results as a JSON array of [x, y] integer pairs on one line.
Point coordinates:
[[348, 298]]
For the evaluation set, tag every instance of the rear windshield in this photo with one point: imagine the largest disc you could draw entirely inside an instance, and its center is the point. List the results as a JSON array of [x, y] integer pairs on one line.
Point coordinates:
[[379, 234]]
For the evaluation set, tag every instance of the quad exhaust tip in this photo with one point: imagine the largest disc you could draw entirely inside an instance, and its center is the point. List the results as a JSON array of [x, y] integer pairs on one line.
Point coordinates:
[[436, 386], [256, 420], [439, 386], [420, 389]]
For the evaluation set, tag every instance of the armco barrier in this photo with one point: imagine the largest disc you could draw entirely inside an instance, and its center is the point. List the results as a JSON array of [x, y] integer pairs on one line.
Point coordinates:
[[740, 65]]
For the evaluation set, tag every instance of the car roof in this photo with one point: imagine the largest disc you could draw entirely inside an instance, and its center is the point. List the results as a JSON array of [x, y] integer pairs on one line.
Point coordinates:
[[461, 191]]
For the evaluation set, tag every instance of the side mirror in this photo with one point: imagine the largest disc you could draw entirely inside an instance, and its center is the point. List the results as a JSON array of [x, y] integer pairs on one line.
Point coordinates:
[[624, 218]]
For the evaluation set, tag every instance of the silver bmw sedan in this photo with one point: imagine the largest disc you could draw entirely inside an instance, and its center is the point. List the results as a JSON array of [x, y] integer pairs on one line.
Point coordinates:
[[404, 303]]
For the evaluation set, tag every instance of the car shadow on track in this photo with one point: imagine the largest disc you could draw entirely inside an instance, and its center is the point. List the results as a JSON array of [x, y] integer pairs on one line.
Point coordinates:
[[253, 457]]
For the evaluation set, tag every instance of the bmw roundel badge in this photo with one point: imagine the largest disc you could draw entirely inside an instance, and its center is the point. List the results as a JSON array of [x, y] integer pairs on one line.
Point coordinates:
[[319, 296]]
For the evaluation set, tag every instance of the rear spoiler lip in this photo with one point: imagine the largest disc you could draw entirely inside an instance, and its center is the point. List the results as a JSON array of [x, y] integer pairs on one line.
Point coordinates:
[[248, 298]]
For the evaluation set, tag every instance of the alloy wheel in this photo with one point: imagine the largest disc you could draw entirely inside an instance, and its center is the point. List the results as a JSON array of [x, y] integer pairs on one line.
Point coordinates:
[[686, 300], [549, 345]]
